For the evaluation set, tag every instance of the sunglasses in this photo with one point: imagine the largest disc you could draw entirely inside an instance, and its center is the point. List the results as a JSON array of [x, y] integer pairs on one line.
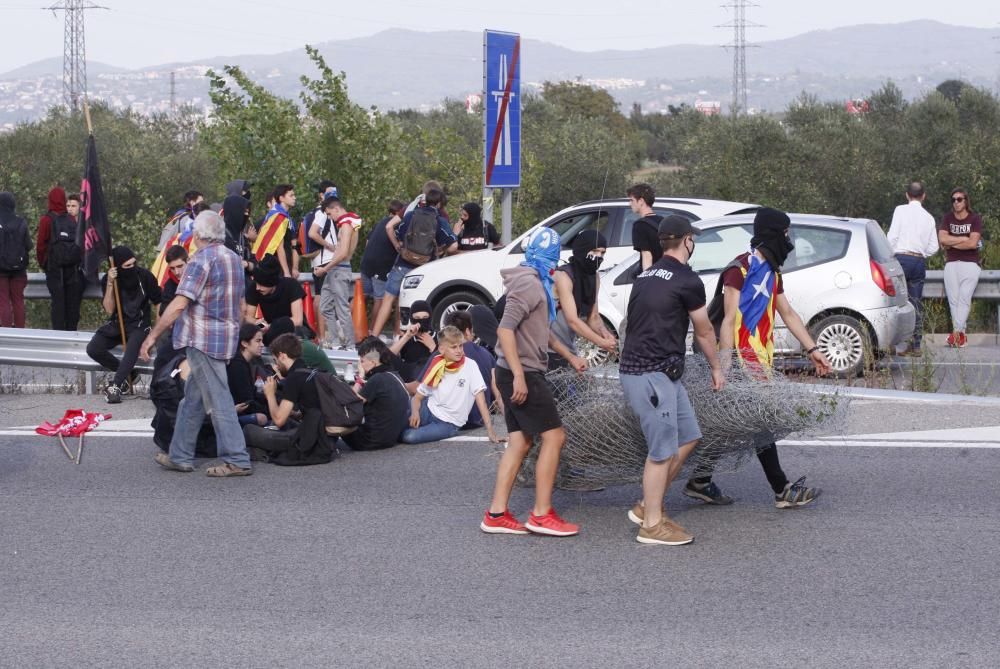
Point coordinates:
[[958, 199]]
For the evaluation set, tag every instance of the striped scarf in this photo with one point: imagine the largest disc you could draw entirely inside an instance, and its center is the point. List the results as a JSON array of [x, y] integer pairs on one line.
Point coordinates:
[[437, 368]]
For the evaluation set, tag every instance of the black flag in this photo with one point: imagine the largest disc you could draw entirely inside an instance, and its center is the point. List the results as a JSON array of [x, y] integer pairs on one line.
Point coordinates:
[[93, 233]]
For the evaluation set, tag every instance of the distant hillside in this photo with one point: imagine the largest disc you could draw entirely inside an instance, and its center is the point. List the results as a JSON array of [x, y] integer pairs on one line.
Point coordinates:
[[403, 68]]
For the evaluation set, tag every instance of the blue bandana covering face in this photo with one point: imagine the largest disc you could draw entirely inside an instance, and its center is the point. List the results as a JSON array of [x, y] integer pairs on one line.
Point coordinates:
[[541, 252]]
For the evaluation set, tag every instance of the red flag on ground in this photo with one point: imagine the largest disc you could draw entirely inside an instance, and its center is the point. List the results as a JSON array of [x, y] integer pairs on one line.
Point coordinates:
[[74, 423], [93, 233]]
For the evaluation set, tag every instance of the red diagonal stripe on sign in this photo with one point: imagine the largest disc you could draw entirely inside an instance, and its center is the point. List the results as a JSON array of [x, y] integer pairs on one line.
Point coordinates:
[[503, 109]]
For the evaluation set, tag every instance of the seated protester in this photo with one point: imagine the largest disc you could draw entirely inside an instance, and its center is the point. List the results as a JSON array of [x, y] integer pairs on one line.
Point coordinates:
[[451, 386], [387, 402], [276, 295], [290, 442], [176, 257], [312, 355], [485, 322], [166, 389], [474, 234], [417, 343], [137, 290], [462, 321], [577, 285], [241, 373], [395, 363]]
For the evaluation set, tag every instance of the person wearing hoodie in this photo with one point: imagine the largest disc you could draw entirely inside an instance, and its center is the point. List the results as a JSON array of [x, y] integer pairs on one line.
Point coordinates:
[[15, 246], [59, 256], [474, 234], [529, 407], [236, 214], [138, 290]]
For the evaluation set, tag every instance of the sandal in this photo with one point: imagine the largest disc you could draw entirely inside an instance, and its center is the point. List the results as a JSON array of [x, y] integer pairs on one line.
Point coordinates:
[[226, 470], [164, 461]]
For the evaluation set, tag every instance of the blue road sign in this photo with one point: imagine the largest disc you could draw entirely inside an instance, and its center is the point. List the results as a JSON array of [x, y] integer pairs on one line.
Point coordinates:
[[502, 109]]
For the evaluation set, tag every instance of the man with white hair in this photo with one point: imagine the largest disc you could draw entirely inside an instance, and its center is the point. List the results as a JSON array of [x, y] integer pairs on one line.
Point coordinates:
[[206, 308]]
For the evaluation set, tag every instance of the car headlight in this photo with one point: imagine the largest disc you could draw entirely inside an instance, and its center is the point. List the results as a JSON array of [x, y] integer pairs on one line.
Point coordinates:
[[411, 281]]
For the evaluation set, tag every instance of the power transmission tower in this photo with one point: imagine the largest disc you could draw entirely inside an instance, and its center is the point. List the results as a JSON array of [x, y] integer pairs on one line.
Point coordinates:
[[74, 49], [739, 47]]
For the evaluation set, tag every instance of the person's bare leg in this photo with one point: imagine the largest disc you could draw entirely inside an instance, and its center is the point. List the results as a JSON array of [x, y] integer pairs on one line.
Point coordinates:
[[376, 307], [320, 321], [656, 478], [385, 310], [510, 463], [397, 329], [546, 467]]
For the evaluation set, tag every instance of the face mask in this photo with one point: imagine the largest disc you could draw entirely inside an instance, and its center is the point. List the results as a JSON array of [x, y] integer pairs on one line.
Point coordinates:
[[424, 323], [690, 250], [591, 263]]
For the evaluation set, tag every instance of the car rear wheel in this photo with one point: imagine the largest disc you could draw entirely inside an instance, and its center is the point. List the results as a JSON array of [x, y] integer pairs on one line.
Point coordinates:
[[846, 343], [459, 301]]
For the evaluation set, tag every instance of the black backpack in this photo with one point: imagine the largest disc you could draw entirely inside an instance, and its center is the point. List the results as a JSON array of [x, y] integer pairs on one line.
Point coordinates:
[[343, 411], [717, 307], [419, 243], [63, 249], [13, 245]]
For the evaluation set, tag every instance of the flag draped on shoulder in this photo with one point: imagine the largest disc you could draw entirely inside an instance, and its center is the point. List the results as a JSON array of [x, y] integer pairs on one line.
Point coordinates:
[[93, 233], [272, 232], [437, 368], [755, 316], [182, 238]]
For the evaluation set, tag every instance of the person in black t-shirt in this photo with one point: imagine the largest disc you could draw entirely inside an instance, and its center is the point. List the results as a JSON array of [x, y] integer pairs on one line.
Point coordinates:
[[378, 259], [473, 233], [417, 344], [645, 230], [387, 402], [665, 298], [241, 373], [276, 295]]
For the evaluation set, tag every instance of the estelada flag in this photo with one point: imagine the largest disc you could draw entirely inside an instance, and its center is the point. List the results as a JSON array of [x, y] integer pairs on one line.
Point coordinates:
[[755, 315], [272, 233], [159, 268], [73, 423], [93, 233]]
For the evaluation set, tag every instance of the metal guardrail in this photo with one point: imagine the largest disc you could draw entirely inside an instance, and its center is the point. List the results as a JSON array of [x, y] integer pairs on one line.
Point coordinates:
[[68, 350]]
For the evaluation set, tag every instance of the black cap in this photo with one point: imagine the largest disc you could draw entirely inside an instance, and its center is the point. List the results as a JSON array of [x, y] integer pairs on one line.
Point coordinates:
[[675, 227]]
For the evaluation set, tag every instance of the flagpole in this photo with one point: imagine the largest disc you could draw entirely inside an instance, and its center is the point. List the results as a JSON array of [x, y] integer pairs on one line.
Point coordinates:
[[111, 260]]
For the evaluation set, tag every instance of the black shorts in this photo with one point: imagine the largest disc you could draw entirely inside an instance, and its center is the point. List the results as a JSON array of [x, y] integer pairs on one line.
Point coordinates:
[[318, 284], [538, 414]]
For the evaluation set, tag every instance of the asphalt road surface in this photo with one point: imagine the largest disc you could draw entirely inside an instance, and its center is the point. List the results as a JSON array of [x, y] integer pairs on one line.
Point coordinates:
[[376, 559]]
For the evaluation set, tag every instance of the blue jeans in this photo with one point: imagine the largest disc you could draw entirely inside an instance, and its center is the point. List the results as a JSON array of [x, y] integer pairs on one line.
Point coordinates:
[[206, 391], [915, 272], [431, 428]]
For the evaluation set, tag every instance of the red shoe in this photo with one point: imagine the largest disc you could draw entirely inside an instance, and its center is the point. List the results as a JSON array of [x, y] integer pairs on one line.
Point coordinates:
[[552, 525], [961, 341], [505, 524], [951, 340]]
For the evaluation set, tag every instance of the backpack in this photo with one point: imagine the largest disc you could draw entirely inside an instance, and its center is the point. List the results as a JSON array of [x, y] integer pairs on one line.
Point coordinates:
[[717, 307], [63, 249], [13, 245], [343, 411], [420, 240], [307, 244]]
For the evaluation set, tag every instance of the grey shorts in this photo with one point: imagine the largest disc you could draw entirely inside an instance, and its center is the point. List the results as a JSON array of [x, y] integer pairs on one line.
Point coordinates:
[[664, 410]]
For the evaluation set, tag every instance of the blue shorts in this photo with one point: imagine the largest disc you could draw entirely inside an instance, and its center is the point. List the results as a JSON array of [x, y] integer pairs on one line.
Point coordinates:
[[664, 411], [394, 283], [373, 287]]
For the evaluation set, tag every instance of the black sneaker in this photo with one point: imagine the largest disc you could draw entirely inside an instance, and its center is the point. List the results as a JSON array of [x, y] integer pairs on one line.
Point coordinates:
[[707, 492], [113, 394], [796, 494]]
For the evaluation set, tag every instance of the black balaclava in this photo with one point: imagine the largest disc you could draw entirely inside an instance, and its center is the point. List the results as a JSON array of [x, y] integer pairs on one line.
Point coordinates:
[[474, 226], [234, 213], [424, 323], [7, 205], [127, 278], [769, 227], [583, 269]]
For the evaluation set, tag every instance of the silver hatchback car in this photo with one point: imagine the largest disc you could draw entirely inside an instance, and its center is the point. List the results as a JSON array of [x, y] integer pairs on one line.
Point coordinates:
[[842, 279]]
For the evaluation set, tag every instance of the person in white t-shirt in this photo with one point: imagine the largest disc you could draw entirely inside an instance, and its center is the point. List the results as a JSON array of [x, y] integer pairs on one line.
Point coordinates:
[[451, 385], [339, 236]]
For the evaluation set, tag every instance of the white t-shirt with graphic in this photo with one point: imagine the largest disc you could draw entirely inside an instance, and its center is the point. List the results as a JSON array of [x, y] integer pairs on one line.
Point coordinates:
[[455, 396]]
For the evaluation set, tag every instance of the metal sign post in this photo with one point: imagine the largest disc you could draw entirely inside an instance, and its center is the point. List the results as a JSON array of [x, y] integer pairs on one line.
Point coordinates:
[[502, 120]]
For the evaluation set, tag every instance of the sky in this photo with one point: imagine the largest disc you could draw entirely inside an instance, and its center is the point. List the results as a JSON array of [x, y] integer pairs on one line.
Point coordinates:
[[137, 33]]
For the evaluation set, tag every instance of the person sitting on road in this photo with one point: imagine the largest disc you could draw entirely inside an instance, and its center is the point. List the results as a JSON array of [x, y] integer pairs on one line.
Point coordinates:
[[451, 386], [313, 356], [137, 290], [462, 320], [276, 295], [417, 344], [290, 441], [387, 402], [242, 375]]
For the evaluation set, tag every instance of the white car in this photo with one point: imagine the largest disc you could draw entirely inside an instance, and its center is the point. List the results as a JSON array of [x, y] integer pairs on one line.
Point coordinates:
[[458, 282], [842, 280]]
